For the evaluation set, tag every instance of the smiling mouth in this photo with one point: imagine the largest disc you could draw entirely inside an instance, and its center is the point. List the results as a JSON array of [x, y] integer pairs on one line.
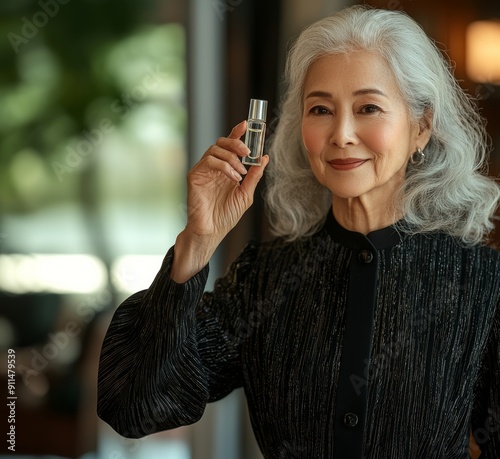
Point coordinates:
[[346, 164]]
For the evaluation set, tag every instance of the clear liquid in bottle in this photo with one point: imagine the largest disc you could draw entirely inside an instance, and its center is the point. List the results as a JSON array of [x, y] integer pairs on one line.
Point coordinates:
[[254, 140], [256, 130]]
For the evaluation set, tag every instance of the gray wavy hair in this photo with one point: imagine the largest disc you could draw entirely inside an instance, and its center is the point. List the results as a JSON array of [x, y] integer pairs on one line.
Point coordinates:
[[448, 193]]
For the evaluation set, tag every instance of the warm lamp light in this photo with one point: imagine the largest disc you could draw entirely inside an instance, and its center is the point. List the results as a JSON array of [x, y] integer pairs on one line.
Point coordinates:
[[483, 51]]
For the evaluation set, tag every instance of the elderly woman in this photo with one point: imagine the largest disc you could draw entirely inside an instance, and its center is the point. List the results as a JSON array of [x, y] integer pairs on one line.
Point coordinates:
[[370, 327]]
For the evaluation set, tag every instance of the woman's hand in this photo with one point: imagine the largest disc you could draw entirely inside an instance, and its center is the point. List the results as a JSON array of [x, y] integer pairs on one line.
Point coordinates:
[[216, 201]]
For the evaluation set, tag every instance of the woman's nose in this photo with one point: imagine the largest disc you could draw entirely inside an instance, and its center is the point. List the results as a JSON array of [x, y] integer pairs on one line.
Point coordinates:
[[343, 130]]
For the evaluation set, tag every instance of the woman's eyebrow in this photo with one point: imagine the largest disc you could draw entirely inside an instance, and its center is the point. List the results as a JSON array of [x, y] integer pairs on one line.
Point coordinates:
[[319, 94], [358, 92], [362, 92]]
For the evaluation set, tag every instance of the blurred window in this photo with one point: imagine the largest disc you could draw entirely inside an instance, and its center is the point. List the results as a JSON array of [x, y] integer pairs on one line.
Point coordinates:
[[93, 158]]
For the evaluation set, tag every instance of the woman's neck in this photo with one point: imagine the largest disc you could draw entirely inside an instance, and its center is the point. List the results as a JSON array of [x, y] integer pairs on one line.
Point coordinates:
[[356, 214]]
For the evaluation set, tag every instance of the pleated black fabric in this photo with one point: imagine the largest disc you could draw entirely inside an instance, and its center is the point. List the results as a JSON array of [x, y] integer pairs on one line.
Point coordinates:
[[347, 346]]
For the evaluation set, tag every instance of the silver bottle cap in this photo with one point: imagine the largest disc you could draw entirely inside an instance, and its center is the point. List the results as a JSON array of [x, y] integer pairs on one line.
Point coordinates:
[[258, 110]]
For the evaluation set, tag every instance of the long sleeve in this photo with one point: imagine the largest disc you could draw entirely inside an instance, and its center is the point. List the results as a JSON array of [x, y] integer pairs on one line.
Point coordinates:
[[276, 325], [168, 351], [486, 413]]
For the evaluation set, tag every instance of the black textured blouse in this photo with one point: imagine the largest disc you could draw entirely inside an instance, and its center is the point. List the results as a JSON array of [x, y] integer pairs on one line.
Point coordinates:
[[347, 346]]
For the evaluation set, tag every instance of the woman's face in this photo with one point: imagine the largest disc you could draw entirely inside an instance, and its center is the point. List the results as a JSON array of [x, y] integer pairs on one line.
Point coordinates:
[[356, 127]]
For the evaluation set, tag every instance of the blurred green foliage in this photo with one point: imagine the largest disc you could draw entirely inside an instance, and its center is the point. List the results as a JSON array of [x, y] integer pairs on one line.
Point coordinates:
[[66, 66]]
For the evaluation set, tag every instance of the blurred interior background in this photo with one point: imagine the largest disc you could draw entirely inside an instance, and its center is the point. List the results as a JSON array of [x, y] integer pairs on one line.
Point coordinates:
[[104, 105]]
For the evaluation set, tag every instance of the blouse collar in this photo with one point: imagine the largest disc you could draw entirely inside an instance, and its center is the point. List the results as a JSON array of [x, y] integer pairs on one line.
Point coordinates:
[[379, 239]]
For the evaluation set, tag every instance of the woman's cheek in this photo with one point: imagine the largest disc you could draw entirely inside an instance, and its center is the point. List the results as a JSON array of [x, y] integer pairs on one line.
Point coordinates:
[[312, 139], [315, 159], [375, 138]]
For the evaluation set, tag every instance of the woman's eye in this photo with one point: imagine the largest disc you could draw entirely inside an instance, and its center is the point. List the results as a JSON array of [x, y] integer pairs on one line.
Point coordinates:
[[368, 109], [319, 110]]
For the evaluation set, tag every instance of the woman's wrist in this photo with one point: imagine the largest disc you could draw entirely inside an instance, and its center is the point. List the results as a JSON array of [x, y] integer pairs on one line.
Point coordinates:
[[191, 254]]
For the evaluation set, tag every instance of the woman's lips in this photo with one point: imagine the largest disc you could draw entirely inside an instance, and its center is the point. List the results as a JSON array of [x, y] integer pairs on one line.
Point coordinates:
[[347, 163]]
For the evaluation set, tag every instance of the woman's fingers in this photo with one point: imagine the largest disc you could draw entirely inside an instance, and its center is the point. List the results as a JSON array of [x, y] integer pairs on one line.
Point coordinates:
[[233, 142], [217, 160], [230, 149], [228, 156], [224, 155], [228, 169], [234, 145], [255, 173], [238, 130]]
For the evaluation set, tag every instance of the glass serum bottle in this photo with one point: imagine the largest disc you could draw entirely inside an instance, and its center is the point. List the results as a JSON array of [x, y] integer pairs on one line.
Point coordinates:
[[256, 130]]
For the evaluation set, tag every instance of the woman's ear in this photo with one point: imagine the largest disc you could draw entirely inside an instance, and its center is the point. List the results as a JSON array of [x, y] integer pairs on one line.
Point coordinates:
[[425, 128]]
